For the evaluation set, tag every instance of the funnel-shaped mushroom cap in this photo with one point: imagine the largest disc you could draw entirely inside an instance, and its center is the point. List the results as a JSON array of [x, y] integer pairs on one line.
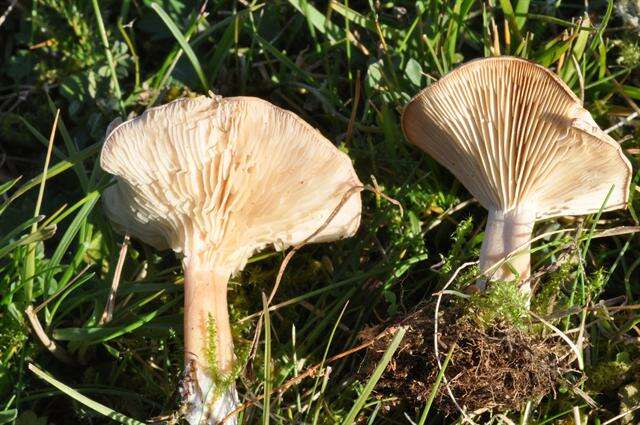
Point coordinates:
[[514, 134], [221, 178]]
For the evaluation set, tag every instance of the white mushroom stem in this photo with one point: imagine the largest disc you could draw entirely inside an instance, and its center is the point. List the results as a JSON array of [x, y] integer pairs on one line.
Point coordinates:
[[205, 310], [507, 236]]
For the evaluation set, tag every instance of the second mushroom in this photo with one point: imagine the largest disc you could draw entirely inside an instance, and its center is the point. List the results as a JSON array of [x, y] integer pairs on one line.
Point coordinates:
[[521, 142], [216, 180]]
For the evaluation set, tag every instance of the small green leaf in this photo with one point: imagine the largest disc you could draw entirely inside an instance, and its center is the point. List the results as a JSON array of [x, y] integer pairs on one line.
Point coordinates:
[[413, 71]]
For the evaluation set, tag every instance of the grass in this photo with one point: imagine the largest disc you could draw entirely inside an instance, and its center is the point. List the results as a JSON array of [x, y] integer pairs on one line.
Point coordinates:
[[347, 67]]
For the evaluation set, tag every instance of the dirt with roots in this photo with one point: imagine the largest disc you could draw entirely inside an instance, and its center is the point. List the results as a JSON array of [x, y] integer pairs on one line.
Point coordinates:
[[497, 366]]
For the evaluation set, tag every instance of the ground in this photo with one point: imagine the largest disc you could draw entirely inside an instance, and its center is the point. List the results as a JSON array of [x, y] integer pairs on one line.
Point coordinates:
[[348, 68]]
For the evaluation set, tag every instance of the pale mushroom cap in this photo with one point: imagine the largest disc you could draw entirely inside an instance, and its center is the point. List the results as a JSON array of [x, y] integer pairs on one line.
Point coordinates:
[[514, 134], [221, 178]]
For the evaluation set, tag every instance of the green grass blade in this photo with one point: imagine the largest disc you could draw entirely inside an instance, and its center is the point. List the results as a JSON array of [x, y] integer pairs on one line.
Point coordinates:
[[604, 21], [223, 46], [434, 55], [377, 373], [184, 44], [5, 187], [284, 59], [553, 53], [160, 78], [8, 416], [61, 215], [78, 221], [522, 8], [100, 408], [53, 171], [509, 13], [43, 140], [324, 358], [95, 335], [41, 234], [577, 51], [364, 21], [456, 19], [318, 20], [107, 51], [30, 262], [19, 229], [435, 387], [69, 145]]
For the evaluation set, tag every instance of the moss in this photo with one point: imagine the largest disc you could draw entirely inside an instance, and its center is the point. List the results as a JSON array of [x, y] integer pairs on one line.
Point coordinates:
[[608, 376], [628, 53], [460, 240], [502, 302], [12, 338], [222, 381], [212, 344], [12, 341], [595, 284], [555, 291], [550, 293]]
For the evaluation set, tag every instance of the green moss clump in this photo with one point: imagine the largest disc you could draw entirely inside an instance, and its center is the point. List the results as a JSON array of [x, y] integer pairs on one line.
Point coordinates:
[[608, 376], [502, 302], [595, 284], [629, 53], [222, 381], [12, 338], [212, 344], [551, 290], [460, 240], [12, 341]]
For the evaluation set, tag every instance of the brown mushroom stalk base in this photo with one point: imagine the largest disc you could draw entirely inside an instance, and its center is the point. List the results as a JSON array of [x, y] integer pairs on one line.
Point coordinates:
[[208, 347], [507, 234]]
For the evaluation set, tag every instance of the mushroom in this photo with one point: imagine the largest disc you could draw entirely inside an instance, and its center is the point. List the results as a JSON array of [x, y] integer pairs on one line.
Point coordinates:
[[217, 179], [521, 142]]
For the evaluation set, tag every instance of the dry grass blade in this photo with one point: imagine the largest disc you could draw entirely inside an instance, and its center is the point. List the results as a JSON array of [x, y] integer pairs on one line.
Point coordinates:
[[49, 344], [107, 314], [621, 415], [31, 253], [449, 212], [354, 108], [375, 189], [7, 11], [290, 254], [283, 266], [562, 335], [64, 288], [624, 121], [616, 231]]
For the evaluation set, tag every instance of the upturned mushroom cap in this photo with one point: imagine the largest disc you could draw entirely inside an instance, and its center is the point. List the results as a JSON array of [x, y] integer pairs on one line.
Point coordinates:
[[515, 135], [217, 179]]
